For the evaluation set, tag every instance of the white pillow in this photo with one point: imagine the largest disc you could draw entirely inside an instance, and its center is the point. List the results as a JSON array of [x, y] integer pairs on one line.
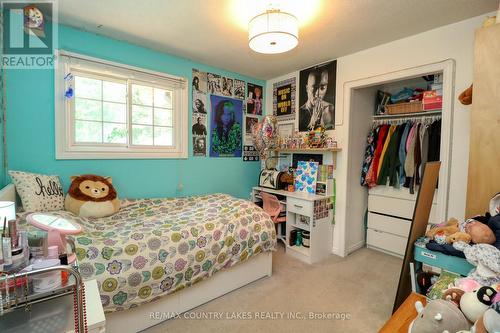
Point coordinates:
[[39, 193]]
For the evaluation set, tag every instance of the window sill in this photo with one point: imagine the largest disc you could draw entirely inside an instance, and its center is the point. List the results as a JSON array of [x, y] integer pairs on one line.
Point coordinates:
[[117, 155]]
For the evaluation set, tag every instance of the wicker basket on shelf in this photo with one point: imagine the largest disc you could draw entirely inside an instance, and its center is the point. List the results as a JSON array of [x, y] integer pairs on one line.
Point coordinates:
[[400, 108]]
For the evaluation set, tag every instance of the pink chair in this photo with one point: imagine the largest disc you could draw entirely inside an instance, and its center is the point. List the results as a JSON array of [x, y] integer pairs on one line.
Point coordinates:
[[272, 206]]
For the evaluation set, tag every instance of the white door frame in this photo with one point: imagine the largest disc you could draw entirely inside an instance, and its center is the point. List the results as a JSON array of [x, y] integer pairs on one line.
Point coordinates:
[[447, 67]]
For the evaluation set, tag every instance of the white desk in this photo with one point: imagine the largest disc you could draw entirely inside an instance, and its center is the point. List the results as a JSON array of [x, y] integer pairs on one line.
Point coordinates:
[[298, 205]]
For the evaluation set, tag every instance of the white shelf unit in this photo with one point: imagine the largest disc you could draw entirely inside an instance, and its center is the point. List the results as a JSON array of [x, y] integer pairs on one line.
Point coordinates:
[[302, 204]]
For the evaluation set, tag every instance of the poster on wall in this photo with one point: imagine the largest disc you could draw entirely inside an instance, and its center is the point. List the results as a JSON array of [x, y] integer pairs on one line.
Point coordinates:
[[214, 84], [284, 99], [226, 127], [199, 145], [250, 122], [199, 124], [317, 97], [250, 154], [254, 99], [199, 103], [199, 82], [227, 86], [239, 89]]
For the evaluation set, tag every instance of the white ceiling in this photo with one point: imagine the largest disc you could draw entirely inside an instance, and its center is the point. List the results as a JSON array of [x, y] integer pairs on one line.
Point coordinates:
[[213, 31]]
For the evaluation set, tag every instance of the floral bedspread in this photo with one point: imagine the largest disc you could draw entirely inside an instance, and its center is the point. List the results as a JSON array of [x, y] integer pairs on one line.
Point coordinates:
[[154, 247]]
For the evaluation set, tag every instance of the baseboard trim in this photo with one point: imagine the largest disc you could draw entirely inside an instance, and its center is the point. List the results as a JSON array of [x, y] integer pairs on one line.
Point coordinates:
[[356, 246]]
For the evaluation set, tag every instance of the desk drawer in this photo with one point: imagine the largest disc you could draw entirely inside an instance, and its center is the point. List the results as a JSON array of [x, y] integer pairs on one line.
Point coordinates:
[[302, 207], [386, 241], [389, 224]]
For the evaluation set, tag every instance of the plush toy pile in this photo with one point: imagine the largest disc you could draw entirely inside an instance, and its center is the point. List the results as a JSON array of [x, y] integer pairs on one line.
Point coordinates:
[[465, 304]]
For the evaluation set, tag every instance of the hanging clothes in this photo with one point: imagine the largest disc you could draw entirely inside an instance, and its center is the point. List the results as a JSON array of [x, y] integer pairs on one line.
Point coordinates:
[[371, 144], [402, 152], [384, 149], [371, 176], [434, 141], [396, 153], [390, 164]]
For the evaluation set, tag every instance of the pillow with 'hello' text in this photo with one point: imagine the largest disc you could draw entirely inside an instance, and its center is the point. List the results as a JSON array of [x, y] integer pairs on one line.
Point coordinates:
[[38, 193]]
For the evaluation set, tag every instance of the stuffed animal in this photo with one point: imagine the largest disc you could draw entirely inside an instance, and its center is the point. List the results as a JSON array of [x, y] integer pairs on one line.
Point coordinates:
[[458, 236], [466, 96], [473, 304], [489, 322], [466, 284], [453, 295], [438, 316], [92, 196], [480, 233], [486, 258], [448, 229]]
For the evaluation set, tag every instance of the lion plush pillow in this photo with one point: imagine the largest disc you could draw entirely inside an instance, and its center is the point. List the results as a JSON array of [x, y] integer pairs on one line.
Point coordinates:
[[92, 196]]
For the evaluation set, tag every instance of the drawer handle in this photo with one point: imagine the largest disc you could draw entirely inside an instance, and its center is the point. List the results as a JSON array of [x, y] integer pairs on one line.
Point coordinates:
[[298, 206]]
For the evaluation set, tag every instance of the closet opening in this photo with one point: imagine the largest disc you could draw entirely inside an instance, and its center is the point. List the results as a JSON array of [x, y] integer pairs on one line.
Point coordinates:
[[379, 212]]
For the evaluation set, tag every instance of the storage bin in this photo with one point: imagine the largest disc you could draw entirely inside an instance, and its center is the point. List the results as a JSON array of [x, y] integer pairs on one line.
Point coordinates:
[[449, 263], [401, 108]]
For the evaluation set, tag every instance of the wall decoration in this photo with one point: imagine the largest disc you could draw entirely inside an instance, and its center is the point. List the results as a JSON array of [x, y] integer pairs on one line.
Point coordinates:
[[199, 124], [199, 145], [214, 84], [227, 86], [284, 99], [250, 124], [306, 176], [250, 154], [239, 89], [199, 82], [285, 129], [199, 102], [226, 127], [254, 99], [317, 97]]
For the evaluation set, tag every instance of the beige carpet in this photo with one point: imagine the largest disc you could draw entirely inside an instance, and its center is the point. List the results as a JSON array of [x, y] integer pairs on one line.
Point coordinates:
[[362, 285]]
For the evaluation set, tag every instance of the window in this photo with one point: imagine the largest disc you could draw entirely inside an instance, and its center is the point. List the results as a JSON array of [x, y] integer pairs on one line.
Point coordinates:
[[116, 111]]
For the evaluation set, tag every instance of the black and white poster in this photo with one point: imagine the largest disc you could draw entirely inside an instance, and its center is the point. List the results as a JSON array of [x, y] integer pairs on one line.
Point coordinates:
[[199, 82], [227, 86], [250, 154], [284, 99], [199, 145], [239, 89], [199, 103], [214, 84], [317, 97]]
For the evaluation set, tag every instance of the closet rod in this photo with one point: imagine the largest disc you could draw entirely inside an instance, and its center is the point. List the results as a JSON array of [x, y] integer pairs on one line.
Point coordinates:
[[408, 115]]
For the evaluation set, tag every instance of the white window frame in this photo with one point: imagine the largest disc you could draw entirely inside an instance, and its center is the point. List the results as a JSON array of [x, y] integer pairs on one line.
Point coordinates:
[[66, 148]]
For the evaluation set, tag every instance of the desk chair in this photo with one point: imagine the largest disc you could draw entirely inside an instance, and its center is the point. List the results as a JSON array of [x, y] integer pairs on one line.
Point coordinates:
[[272, 206]]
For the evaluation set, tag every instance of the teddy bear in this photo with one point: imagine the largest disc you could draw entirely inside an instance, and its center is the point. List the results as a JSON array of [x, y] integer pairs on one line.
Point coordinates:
[[458, 236], [474, 303], [92, 196], [448, 229]]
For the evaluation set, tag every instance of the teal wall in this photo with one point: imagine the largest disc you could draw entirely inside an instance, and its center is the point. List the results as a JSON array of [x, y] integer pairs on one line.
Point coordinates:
[[31, 139]]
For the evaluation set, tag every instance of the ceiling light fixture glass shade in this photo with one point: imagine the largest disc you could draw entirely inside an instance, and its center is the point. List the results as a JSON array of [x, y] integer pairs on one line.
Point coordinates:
[[273, 32]]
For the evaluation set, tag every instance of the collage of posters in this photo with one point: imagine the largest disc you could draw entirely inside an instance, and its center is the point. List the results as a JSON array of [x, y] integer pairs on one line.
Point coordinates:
[[199, 118], [218, 123], [317, 97]]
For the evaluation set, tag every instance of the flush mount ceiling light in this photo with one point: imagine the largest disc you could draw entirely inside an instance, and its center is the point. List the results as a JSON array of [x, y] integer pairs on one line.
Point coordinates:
[[273, 32]]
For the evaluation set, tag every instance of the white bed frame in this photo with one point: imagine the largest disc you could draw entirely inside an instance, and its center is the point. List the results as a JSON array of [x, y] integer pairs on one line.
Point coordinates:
[[150, 314]]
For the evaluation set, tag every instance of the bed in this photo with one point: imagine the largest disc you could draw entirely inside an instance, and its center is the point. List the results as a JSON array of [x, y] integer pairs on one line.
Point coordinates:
[[146, 256]]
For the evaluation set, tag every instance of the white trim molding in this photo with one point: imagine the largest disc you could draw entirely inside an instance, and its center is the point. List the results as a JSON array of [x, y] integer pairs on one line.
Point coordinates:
[[447, 67], [65, 146]]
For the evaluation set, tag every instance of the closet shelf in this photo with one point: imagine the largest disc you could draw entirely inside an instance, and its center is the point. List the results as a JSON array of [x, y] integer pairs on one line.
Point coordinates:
[[408, 115]]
